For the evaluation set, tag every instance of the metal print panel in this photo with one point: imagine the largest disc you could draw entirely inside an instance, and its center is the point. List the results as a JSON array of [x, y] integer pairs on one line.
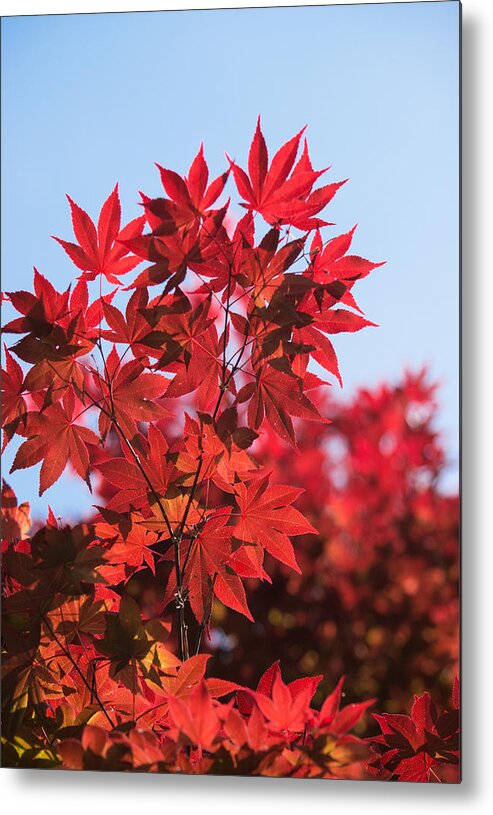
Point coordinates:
[[230, 510]]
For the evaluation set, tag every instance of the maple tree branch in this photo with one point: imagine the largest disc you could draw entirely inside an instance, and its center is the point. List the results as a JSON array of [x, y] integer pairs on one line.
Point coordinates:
[[210, 289], [222, 389], [179, 599], [193, 538], [112, 417], [179, 576], [226, 317], [69, 656], [142, 470], [207, 615]]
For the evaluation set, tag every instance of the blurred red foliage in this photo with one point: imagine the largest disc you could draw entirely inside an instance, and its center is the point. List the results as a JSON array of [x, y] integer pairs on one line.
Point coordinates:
[[377, 598]]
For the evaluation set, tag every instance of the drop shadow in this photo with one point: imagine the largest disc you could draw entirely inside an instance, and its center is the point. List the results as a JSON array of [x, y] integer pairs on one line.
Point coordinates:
[[204, 789]]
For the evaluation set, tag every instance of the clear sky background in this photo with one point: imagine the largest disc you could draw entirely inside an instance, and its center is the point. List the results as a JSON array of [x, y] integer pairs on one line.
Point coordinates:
[[88, 100]]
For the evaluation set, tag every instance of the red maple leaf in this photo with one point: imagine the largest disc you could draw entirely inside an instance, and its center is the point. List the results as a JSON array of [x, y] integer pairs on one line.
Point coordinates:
[[192, 195], [412, 747], [331, 262], [286, 708], [129, 478], [196, 717], [192, 353], [331, 719], [132, 329], [205, 562], [305, 686], [14, 406], [278, 395], [207, 569], [132, 548], [55, 438], [128, 395], [60, 328], [101, 250], [282, 198], [267, 518]]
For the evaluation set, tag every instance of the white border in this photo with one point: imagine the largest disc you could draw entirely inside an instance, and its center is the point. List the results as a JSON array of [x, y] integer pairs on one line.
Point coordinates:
[[20, 7], [48, 792]]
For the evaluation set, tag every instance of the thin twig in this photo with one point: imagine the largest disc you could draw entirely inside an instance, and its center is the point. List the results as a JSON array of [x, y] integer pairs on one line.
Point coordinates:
[[69, 656], [207, 615]]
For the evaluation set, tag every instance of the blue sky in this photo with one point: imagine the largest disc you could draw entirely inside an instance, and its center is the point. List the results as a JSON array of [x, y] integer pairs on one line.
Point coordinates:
[[88, 100]]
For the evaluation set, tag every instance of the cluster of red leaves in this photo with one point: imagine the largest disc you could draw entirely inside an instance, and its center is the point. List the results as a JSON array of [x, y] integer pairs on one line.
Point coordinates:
[[378, 594], [421, 746], [159, 401], [90, 683], [272, 731]]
